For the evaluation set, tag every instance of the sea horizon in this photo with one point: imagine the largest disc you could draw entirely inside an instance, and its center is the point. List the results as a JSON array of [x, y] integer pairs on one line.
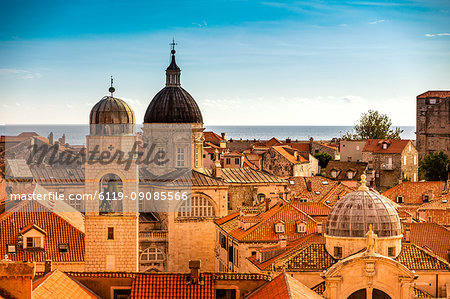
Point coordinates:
[[76, 134]]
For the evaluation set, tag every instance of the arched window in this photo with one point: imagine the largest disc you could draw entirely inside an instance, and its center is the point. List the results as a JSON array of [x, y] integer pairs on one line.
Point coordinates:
[[196, 206], [110, 186], [261, 198], [151, 255]]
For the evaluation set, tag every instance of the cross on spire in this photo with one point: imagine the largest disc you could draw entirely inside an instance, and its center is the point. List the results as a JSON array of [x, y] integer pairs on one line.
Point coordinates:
[[173, 44]]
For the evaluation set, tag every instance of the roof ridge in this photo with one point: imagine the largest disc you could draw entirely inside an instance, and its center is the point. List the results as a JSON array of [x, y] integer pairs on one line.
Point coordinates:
[[288, 287]]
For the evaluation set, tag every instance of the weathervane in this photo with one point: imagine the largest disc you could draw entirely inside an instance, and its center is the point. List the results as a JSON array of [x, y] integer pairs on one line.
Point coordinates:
[[112, 89]]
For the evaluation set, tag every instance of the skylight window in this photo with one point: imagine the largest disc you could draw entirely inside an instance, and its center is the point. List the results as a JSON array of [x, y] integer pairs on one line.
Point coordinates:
[[325, 183], [292, 182]]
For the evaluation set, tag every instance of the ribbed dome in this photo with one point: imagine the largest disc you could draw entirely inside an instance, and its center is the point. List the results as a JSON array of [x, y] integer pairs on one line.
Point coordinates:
[[173, 104], [353, 213], [111, 110]]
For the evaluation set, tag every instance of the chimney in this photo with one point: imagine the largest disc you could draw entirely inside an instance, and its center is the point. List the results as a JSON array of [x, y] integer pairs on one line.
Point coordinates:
[[308, 186], [194, 276], [223, 135], [283, 241], [48, 267], [50, 138], [407, 233], [62, 140], [319, 228], [288, 140], [267, 201], [216, 167]]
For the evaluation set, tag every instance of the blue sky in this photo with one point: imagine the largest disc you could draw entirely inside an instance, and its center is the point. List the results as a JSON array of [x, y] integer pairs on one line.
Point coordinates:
[[245, 62]]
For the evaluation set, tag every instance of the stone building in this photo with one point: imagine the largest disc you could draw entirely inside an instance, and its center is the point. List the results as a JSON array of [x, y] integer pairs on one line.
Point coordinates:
[[433, 122], [390, 162], [284, 161], [361, 255], [351, 150]]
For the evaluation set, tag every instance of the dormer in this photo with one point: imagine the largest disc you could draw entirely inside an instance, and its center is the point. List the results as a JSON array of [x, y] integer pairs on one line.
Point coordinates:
[[300, 226], [280, 227], [385, 144], [32, 238]]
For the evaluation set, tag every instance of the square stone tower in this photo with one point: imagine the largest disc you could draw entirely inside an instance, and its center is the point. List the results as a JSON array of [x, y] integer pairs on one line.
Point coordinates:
[[111, 179]]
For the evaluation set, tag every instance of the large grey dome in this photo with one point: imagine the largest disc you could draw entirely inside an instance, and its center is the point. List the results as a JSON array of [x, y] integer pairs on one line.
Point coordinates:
[[353, 213], [173, 104]]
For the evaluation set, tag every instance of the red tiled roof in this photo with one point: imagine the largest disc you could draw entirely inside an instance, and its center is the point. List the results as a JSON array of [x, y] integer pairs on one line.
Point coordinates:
[[166, 285], [412, 192], [273, 141], [284, 287], [246, 175], [414, 257], [56, 284], [59, 230], [277, 253], [212, 137], [312, 208], [289, 154], [440, 203], [431, 235], [264, 230], [434, 94], [299, 146], [394, 146]]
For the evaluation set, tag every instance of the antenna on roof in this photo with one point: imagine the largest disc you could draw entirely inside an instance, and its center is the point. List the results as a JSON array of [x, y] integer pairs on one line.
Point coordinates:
[[112, 89]]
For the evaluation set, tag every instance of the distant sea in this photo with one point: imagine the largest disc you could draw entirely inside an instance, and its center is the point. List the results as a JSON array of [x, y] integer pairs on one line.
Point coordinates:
[[76, 134]]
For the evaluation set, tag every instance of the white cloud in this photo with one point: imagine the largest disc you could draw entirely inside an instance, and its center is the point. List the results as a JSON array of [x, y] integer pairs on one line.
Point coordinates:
[[377, 22], [25, 74], [438, 34], [132, 102]]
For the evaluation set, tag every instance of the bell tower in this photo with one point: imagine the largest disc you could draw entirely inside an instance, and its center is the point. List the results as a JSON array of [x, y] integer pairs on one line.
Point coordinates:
[[111, 178]]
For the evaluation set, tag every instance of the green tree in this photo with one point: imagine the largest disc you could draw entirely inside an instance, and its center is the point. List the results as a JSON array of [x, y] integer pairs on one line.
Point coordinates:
[[434, 167], [373, 125], [323, 158]]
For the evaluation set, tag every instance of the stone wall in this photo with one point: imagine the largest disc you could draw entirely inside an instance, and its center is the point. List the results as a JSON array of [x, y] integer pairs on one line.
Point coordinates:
[[433, 126], [274, 163]]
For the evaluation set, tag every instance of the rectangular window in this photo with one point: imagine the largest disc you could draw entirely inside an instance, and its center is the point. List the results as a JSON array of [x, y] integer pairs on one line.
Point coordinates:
[[63, 248], [391, 251], [338, 252], [10, 248], [415, 159], [228, 161], [226, 294], [180, 157], [426, 198], [400, 199], [110, 233], [236, 161], [432, 101], [404, 160], [33, 242], [357, 147]]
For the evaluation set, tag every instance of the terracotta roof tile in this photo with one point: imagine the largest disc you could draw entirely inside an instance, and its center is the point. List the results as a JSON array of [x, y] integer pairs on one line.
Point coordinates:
[[421, 294], [264, 230], [342, 167], [434, 94], [212, 137], [56, 284], [440, 203], [413, 192], [394, 146], [430, 235], [246, 175], [167, 285], [59, 226], [416, 258], [284, 287], [319, 288], [289, 154]]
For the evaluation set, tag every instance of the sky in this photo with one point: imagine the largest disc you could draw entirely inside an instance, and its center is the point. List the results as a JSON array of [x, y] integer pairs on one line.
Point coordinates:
[[244, 62]]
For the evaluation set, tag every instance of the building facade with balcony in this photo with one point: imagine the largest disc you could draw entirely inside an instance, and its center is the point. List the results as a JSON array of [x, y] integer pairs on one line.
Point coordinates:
[[390, 162]]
